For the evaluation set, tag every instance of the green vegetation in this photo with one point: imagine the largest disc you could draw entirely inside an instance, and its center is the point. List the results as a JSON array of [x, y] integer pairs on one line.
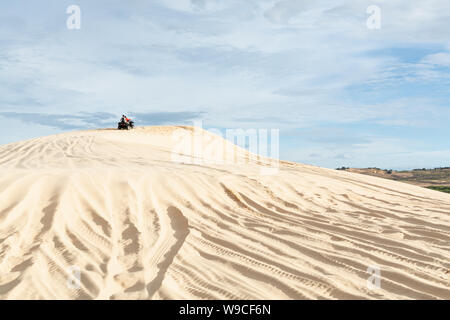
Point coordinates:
[[440, 188]]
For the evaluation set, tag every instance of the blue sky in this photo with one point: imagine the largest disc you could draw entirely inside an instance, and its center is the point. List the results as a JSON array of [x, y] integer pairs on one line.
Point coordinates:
[[340, 93]]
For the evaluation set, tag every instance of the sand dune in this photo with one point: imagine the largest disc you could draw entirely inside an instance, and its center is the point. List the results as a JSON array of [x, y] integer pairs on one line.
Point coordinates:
[[137, 225]]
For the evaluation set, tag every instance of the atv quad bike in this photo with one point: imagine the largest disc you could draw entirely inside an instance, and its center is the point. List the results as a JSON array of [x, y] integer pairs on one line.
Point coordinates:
[[123, 125]]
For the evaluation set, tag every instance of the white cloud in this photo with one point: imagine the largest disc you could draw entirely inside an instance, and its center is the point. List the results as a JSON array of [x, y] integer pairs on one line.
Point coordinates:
[[284, 11], [195, 6], [438, 59]]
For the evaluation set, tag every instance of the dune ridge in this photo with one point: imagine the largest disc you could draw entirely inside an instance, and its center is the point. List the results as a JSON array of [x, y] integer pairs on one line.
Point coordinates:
[[138, 225]]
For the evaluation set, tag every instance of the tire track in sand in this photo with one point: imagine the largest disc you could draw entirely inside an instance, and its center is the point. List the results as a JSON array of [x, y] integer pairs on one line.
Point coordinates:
[[180, 227]]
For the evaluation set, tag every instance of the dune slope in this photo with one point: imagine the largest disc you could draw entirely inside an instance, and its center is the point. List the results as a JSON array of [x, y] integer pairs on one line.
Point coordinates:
[[116, 209]]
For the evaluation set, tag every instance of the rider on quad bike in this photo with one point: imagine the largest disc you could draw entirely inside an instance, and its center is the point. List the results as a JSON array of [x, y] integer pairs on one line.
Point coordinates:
[[125, 123]]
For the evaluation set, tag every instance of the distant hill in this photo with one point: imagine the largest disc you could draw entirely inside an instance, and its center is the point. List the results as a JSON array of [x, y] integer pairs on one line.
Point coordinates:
[[436, 179]]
